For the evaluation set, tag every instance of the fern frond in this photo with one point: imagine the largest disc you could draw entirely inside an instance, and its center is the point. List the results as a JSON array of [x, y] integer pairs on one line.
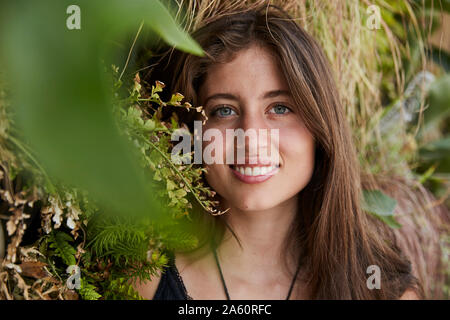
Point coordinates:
[[60, 241]]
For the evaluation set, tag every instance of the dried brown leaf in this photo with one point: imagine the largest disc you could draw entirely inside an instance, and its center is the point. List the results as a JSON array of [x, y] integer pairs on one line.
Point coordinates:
[[34, 269]]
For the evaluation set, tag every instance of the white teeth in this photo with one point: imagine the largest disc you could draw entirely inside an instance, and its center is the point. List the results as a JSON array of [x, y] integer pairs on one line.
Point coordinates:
[[255, 171], [263, 170]]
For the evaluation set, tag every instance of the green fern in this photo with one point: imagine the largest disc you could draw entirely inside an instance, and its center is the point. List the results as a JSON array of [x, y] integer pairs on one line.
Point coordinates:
[[119, 240], [179, 240], [121, 289], [60, 242], [87, 291]]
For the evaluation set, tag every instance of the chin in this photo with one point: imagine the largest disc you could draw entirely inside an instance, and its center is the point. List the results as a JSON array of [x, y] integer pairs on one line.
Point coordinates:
[[253, 202]]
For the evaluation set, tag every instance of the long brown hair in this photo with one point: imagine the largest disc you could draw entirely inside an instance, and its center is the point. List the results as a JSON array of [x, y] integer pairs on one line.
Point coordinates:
[[336, 239]]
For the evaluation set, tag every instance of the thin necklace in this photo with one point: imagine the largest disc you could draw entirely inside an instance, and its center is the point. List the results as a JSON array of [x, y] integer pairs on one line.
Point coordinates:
[[225, 286]]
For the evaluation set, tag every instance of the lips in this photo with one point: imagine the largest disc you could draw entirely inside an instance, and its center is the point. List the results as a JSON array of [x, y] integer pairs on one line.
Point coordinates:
[[254, 173]]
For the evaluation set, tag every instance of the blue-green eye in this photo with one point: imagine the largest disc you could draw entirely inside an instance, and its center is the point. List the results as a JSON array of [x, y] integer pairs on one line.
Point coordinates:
[[279, 109], [224, 111]]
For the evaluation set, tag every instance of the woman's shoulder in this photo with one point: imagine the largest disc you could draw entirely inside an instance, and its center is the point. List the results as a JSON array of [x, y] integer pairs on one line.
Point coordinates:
[[165, 285], [410, 294], [147, 288]]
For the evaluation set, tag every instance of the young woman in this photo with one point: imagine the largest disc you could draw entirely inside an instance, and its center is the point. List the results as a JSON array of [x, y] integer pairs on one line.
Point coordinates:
[[295, 229]]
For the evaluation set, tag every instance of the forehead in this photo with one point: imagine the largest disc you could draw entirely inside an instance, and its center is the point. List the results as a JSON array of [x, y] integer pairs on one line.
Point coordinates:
[[251, 71]]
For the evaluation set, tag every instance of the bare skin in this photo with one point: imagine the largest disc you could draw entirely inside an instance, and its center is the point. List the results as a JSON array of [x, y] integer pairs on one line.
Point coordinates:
[[201, 279]]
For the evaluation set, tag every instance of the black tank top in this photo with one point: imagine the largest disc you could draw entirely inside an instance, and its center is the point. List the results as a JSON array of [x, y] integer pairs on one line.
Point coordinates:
[[171, 286]]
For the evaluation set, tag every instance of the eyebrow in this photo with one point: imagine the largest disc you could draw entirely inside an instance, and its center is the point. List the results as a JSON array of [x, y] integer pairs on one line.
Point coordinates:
[[229, 96]]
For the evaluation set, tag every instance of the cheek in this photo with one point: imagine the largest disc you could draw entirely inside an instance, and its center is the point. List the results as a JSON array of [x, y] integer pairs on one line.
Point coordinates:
[[297, 154], [216, 172], [213, 175], [297, 150]]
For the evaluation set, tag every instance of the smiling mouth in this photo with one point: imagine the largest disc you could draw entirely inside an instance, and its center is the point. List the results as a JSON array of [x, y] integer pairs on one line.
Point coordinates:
[[254, 173]]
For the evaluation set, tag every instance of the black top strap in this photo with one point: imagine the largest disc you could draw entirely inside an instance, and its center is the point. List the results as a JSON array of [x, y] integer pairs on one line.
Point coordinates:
[[171, 286], [221, 275], [225, 286]]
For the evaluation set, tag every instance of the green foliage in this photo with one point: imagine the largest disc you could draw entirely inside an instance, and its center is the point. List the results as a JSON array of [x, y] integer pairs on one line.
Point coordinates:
[[88, 291], [114, 250], [381, 206], [120, 241], [70, 127], [111, 239], [439, 102], [121, 289], [433, 161], [61, 243], [177, 185]]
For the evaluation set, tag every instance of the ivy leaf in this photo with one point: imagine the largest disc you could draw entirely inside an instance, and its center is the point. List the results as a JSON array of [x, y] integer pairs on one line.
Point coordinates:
[[380, 206]]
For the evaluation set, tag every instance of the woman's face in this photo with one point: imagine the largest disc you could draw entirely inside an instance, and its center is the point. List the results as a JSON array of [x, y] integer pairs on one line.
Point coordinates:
[[250, 92]]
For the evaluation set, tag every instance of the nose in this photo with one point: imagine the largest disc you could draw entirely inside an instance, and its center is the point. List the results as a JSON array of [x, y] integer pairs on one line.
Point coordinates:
[[252, 120], [257, 135]]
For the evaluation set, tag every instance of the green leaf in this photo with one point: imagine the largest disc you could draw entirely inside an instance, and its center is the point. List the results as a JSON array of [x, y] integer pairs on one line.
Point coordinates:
[[87, 291], [176, 99], [427, 174], [437, 153], [149, 125], [60, 241], [157, 176], [121, 289], [439, 102], [64, 107], [162, 22], [381, 206], [180, 193], [170, 185]]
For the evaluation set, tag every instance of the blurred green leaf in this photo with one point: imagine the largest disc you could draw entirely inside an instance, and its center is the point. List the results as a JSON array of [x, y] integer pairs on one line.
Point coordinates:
[[381, 206], [427, 174], [437, 151], [62, 97], [439, 102], [440, 146], [440, 57]]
